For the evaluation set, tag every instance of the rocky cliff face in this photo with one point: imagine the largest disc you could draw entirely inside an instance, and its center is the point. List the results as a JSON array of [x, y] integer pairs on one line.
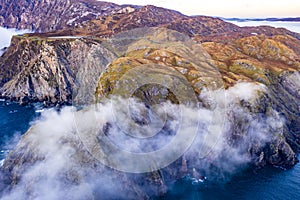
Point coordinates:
[[50, 69]]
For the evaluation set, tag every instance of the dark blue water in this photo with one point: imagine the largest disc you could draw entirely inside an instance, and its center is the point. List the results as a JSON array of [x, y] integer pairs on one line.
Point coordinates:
[[14, 121], [269, 183]]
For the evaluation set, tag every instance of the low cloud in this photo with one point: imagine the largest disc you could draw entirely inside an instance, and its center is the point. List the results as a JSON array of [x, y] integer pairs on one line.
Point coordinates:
[[60, 166]]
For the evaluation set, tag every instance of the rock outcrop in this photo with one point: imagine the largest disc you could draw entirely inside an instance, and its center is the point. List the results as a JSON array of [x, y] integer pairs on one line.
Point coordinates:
[[50, 70], [203, 71]]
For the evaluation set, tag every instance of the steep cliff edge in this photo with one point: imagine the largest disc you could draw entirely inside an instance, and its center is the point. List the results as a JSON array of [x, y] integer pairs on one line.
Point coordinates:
[[49, 69]]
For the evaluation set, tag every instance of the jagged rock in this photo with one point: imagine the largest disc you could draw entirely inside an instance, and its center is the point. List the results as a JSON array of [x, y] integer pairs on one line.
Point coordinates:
[[285, 92], [52, 70]]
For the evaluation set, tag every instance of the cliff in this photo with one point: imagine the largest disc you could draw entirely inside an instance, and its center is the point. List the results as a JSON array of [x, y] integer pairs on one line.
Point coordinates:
[[49, 69], [162, 49], [251, 130]]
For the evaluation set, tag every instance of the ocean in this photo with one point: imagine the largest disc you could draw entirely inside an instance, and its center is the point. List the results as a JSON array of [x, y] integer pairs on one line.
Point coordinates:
[[268, 183], [14, 121], [292, 26]]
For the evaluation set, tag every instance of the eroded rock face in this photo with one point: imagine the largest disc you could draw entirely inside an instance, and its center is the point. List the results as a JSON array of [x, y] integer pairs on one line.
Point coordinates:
[[285, 92], [51, 70], [59, 70]]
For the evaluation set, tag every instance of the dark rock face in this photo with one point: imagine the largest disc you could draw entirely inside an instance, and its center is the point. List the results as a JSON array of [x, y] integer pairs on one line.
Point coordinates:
[[276, 150], [285, 91]]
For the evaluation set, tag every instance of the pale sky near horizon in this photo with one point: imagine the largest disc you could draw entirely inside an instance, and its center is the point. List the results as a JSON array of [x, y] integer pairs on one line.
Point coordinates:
[[226, 8]]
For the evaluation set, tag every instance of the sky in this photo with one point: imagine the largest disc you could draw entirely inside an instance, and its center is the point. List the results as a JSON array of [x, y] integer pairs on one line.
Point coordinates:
[[226, 8]]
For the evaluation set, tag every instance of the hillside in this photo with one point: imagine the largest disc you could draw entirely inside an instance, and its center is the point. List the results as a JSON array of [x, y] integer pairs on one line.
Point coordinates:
[[47, 15]]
